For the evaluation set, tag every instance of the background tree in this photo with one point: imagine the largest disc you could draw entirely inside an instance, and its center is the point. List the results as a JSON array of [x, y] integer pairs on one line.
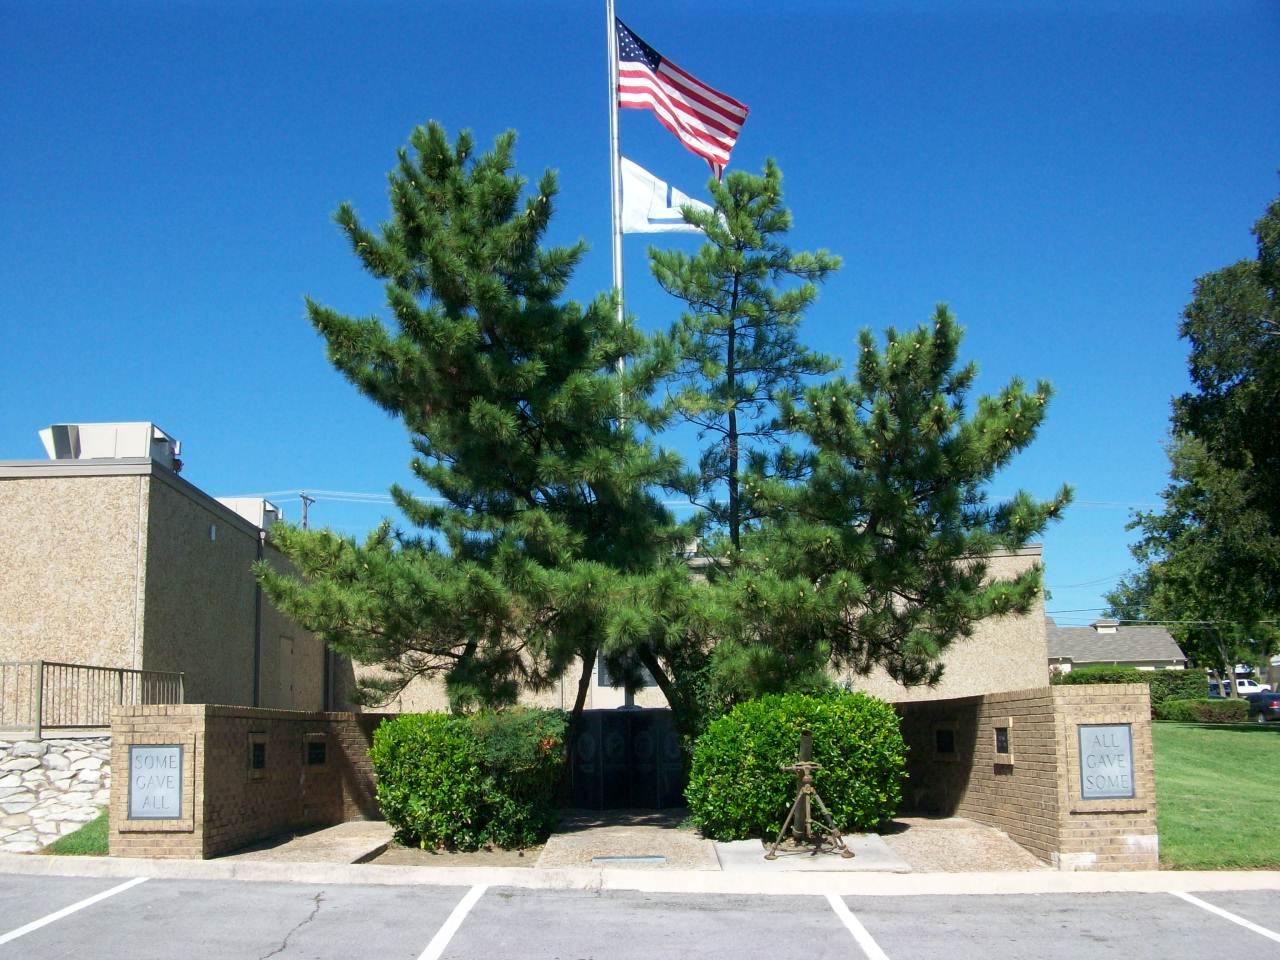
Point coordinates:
[[737, 341], [1194, 567], [1210, 558], [521, 426], [1233, 327]]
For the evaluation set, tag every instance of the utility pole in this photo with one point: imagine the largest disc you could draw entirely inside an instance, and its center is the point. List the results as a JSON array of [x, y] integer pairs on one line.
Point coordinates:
[[327, 677]]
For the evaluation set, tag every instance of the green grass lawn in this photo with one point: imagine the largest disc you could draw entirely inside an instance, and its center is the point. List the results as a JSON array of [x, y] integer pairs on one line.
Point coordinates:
[[1218, 795], [89, 841]]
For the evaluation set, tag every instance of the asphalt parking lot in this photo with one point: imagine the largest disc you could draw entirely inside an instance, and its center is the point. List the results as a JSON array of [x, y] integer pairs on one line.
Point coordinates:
[[46, 917]]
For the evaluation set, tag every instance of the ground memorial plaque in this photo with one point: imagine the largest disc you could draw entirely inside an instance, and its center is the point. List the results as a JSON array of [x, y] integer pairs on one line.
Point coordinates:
[[1106, 761], [155, 782]]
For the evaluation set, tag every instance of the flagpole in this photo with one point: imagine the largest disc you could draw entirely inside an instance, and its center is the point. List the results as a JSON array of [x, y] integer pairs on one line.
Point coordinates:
[[615, 172]]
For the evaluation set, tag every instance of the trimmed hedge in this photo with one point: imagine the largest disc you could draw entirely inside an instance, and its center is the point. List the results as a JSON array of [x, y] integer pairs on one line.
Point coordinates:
[[466, 782], [1164, 684], [737, 791], [1176, 685], [1204, 711]]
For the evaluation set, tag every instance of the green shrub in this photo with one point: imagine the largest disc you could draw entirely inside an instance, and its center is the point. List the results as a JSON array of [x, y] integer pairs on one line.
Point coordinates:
[[522, 753], [1176, 685], [464, 782], [429, 780], [736, 789], [1163, 684], [1203, 711], [1101, 675]]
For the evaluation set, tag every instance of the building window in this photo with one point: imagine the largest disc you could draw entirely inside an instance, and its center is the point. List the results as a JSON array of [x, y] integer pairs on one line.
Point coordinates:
[[316, 750], [1002, 741], [257, 755], [605, 678], [944, 741]]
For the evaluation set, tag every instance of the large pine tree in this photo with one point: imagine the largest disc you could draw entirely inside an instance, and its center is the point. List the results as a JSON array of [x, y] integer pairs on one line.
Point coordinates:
[[894, 524], [879, 557], [737, 342], [522, 429]]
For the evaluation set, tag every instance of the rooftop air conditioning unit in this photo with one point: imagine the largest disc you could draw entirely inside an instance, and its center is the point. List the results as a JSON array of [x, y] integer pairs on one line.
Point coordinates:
[[258, 511], [111, 441]]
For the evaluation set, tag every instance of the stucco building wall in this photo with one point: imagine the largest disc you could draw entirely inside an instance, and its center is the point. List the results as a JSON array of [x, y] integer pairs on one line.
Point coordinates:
[[428, 695], [199, 613], [1004, 653], [72, 550], [122, 563], [292, 660]]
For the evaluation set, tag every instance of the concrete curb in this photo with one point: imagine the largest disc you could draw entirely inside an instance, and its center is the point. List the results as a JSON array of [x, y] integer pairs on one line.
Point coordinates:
[[649, 881]]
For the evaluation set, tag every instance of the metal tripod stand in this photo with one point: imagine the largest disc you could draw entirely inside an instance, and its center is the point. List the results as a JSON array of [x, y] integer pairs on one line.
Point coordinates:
[[801, 819]]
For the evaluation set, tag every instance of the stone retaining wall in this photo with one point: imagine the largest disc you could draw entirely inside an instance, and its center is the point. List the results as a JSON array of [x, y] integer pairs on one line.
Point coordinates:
[[49, 788]]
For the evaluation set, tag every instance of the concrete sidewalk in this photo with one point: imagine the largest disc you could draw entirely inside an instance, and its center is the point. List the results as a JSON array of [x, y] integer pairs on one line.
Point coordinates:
[[649, 853], [643, 843], [355, 841], [661, 840], [763, 882]]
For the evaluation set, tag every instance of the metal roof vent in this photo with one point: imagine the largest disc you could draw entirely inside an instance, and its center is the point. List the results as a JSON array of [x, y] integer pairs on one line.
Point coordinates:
[[1106, 626]]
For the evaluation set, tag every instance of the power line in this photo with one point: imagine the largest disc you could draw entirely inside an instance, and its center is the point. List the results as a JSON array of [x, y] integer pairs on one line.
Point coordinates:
[[1201, 623], [1160, 623], [1114, 504], [360, 496], [355, 496], [1088, 583]]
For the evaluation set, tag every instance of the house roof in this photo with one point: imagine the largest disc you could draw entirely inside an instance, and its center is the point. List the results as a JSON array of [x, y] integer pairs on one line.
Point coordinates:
[[1126, 645]]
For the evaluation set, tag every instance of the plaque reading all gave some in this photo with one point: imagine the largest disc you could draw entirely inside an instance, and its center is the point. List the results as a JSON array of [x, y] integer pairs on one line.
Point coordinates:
[[155, 782], [1106, 761]]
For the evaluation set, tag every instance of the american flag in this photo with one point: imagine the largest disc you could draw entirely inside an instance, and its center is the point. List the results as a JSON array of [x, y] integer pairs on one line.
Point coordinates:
[[705, 120]]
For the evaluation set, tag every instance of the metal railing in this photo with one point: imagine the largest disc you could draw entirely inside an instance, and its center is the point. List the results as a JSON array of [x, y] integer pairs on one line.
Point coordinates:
[[38, 694]]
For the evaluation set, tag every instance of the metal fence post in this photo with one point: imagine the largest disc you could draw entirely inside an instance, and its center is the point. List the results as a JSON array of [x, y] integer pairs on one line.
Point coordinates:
[[39, 699]]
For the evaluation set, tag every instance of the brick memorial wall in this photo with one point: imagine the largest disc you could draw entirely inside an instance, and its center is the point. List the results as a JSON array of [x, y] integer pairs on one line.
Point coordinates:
[[203, 780], [1065, 771]]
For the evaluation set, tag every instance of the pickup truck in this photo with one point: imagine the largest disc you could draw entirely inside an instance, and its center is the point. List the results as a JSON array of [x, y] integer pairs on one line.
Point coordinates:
[[1243, 686]]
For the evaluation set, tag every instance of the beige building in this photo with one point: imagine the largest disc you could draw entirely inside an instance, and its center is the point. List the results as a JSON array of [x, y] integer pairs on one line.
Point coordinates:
[[1004, 654], [112, 559]]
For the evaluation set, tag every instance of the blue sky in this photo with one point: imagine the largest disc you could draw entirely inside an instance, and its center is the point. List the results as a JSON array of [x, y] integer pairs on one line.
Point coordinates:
[[1058, 175]]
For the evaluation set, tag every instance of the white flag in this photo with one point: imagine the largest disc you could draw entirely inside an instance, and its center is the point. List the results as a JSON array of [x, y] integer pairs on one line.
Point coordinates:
[[651, 206]]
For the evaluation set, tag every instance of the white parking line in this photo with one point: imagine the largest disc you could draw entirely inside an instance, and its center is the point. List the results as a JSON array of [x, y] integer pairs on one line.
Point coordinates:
[[864, 939], [67, 911], [1228, 915], [441, 940]]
